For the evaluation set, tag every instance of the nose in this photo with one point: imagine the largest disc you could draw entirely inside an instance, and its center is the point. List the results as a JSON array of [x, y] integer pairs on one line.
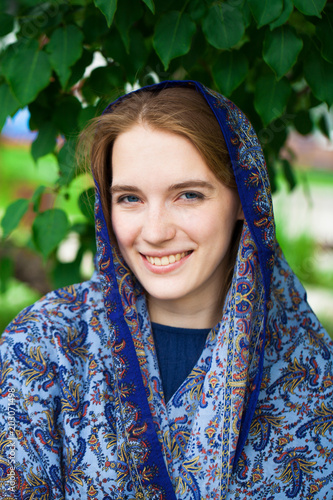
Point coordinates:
[[158, 226]]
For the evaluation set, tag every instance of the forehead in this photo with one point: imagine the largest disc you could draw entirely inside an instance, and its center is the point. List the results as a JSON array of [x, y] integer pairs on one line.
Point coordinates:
[[145, 153]]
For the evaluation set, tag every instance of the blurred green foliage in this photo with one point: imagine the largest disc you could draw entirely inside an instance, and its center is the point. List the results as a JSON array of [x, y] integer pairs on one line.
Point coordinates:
[[274, 59]]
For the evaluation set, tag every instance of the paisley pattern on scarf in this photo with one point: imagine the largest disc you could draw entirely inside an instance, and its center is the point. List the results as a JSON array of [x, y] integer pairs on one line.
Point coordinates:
[[81, 392]]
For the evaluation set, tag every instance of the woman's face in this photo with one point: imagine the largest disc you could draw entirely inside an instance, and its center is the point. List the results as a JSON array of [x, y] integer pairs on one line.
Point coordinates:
[[172, 218]]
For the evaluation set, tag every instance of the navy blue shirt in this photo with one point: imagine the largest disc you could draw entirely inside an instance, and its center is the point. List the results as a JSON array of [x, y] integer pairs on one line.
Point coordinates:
[[178, 350]]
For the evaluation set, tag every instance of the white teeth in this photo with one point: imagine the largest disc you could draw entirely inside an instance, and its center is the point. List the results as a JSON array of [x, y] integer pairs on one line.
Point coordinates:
[[166, 259]]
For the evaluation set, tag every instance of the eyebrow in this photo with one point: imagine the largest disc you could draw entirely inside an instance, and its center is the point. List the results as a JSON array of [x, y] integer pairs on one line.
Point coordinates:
[[120, 188], [192, 183]]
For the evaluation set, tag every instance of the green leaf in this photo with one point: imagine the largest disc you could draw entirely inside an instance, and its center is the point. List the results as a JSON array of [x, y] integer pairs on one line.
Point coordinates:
[[78, 69], [66, 114], [86, 231], [229, 71], [104, 79], [65, 48], [80, 228], [247, 14], [94, 27], [324, 31], [319, 75], [324, 126], [137, 56], [36, 197], [13, 215], [38, 115], [108, 9], [131, 63], [150, 5], [66, 273], [126, 16], [45, 141], [288, 174], [86, 203], [265, 11], [303, 122], [288, 7], [49, 228], [67, 162], [270, 97], [42, 17], [8, 103], [310, 7], [6, 272], [275, 135], [197, 53], [7, 65], [22, 64], [113, 48], [172, 37], [223, 26], [197, 9], [42, 108], [85, 115], [281, 48], [6, 24]]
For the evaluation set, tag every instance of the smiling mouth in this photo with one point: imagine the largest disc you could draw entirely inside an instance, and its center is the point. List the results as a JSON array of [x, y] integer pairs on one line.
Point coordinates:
[[166, 259]]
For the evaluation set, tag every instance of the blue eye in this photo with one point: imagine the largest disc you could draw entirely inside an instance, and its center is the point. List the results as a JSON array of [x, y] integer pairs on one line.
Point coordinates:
[[131, 198], [190, 195]]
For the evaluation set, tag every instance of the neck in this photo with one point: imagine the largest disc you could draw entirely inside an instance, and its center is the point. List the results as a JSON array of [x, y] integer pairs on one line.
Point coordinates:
[[183, 313]]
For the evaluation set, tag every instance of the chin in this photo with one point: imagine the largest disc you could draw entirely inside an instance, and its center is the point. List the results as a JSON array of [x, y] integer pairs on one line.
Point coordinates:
[[167, 294]]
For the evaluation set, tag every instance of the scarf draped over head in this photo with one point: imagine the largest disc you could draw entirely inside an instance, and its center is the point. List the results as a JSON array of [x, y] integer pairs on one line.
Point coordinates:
[[254, 418], [197, 439]]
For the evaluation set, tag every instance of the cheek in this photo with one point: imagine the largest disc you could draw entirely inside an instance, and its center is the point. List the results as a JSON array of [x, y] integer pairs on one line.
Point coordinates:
[[124, 228], [119, 227], [197, 222], [216, 228]]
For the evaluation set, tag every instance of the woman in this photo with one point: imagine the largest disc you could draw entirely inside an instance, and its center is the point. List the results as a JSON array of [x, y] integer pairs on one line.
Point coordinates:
[[231, 395]]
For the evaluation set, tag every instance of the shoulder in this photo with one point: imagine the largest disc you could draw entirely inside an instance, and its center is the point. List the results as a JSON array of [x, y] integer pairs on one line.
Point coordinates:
[[56, 329], [49, 354], [57, 306], [293, 331], [64, 299], [291, 428], [51, 346], [289, 446]]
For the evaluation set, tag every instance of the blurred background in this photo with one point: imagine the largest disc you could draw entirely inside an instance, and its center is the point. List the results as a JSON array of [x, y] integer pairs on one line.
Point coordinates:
[[25, 275], [304, 220]]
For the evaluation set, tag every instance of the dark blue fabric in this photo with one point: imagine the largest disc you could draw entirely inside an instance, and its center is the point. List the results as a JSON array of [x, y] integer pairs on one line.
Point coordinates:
[[178, 350]]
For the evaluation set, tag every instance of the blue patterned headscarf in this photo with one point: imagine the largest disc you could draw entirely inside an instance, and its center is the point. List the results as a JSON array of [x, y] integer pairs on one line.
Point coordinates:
[[254, 418]]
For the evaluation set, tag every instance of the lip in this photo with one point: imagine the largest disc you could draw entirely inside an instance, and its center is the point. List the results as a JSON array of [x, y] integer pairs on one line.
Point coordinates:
[[164, 269], [164, 253]]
